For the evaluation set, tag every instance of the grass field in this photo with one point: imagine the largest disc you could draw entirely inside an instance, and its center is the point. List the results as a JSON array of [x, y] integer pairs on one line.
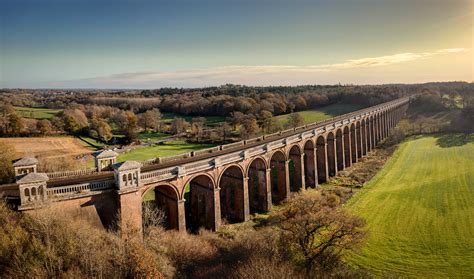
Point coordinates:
[[167, 149], [210, 120], [420, 211], [152, 136], [37, 113], [47, 146], [320, 114]]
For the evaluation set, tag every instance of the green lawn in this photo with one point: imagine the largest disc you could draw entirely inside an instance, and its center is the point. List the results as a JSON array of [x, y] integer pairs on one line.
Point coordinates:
[[210, 120], [420, 211], [320, 114], [152, 136], [91, 143], [167, 149], [37, 113]]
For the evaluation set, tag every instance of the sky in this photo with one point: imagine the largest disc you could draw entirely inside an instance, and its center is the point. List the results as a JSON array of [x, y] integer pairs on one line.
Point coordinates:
[[197, 43]]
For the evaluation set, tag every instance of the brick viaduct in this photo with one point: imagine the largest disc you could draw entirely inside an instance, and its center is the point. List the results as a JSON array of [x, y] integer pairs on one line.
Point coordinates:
[[203, 188]]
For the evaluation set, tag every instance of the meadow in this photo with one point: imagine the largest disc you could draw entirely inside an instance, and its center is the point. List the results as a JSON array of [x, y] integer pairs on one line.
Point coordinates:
[[420, 211], [37, 113], [320, 114]]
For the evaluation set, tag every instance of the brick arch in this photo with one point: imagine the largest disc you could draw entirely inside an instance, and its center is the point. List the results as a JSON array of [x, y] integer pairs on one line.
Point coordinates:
[[247, 168], [339, 149], [166, 199], [295, 167], [310, 163], [363, 130], [202, 207], [298, 145], [279, 176], [347, 145], [321, 159], [331, 153], [270, 156], [158, 184], [242, 169], [231, 193], [199, 174], [259, 201], [358, 127]]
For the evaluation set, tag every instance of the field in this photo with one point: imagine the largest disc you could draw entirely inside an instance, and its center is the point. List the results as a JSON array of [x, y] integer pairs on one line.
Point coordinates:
[[167, 149], [210, 120], [47, 146], [320, 114], [420, 211], [37, 113]]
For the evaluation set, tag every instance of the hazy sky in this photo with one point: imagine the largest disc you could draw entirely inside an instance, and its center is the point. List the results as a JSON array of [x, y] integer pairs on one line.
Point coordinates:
[[151, 44]]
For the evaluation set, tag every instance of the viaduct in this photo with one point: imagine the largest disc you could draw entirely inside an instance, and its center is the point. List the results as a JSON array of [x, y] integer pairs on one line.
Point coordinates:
[[203, 188]]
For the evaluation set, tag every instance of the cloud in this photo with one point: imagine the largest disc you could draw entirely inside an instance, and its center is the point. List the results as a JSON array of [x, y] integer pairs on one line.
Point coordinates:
[[251, 75]]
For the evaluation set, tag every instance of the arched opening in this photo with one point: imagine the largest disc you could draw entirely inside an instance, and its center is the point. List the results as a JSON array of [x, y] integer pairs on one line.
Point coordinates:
[[278, 177], [257, 184], [331, 154], [364, 138], [231, 194], [33, 193], [358, 140], [353, 143], [372, 132], [339, 150], [200, 204], [163, 198], [294, 167], [367, 134], [309, 165], [321, 159], [347, 147], [27, 194]]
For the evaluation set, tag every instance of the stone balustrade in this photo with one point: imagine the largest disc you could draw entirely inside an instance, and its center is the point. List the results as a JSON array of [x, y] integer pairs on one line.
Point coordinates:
[[63, 174], [83, 188]]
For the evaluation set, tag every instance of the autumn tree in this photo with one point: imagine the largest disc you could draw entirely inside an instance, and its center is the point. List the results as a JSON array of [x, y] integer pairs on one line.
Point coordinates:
[[249, 127], [44, 127], [150, 119], [179, 125], [7, 155], [317, 232], [101, 129], [265, 120], [236, 118], [129, 125], [197, 127], [294, 120]]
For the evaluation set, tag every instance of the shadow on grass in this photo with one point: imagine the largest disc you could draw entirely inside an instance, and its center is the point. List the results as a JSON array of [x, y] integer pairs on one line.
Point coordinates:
[[452, 140]]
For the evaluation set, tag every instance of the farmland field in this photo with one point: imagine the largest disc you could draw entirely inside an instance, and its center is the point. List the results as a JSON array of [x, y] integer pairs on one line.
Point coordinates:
[[167, 149], [47, 146], [37, 113], [420, 211], [322, 113]]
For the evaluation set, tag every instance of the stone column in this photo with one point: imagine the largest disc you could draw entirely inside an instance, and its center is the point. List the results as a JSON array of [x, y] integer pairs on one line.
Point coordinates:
[[217, 209], [268, 187], [326, 167], [315, 154], [245, 193], [303, 179], [181, 216], [287, 179], [343, 151]]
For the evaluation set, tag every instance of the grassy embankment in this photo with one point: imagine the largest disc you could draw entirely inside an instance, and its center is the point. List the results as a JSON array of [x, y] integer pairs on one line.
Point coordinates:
[[420, 210]]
